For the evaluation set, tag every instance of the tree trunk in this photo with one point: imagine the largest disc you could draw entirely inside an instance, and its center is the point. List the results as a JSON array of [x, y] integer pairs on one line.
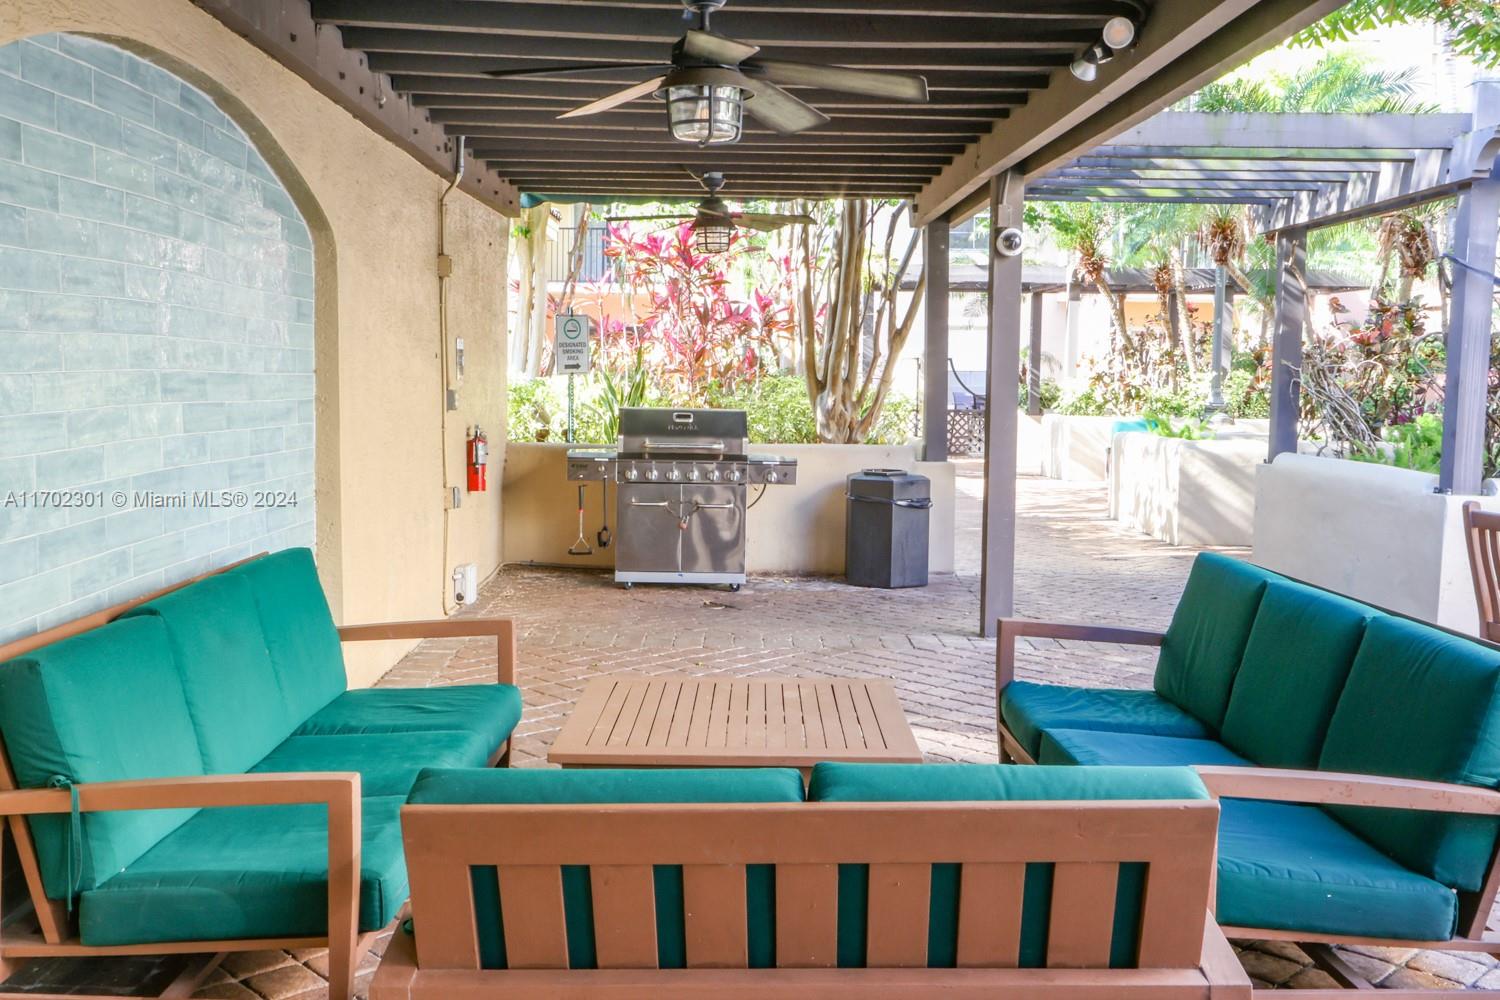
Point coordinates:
[[531, 315], [1184, 318]]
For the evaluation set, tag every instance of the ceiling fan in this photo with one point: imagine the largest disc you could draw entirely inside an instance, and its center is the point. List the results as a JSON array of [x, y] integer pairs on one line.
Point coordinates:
[[712, 81], [714, 224]]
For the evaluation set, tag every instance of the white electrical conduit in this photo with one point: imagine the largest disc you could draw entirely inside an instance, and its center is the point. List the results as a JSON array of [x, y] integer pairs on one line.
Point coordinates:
[[444, 267]]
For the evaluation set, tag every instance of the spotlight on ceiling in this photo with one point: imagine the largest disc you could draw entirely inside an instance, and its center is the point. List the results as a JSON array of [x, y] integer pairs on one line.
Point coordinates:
[[1119, 32], [1086, 66]]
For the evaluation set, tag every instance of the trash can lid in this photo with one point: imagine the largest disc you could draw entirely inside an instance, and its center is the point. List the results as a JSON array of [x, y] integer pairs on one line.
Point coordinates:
[[888, 473]]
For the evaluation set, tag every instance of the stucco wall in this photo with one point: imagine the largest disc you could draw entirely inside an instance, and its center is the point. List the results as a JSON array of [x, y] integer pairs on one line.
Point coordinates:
[[156, 336], [1370, 531], [794, 529], [373, 214], [1199, 493]]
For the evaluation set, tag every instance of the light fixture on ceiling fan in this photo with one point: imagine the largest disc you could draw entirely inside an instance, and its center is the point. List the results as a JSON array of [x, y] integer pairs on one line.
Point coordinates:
[[713, 223], [712, 82]]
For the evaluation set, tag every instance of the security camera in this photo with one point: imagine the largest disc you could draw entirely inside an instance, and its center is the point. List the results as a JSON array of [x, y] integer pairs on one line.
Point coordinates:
[[1010, 242]]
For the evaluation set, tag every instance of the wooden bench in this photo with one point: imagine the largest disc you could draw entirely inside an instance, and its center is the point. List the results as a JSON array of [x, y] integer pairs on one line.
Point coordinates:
[[470, 941]]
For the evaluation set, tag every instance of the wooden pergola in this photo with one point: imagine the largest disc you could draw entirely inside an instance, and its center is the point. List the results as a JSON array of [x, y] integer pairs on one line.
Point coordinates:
[[1005, 109]]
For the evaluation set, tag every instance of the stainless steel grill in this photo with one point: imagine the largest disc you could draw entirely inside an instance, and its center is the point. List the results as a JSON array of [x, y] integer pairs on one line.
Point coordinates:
[[683, 481]]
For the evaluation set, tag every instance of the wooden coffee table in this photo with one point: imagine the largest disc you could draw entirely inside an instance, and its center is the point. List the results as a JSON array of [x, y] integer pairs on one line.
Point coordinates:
[[665, 721]]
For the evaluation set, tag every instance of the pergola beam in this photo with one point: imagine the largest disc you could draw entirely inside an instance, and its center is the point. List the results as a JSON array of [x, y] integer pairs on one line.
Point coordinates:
[[1469, 331], [1286, 344], [997, 588], [935, 398]]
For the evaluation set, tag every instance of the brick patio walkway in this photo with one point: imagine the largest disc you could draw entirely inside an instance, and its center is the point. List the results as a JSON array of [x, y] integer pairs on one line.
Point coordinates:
[[1073, 564]]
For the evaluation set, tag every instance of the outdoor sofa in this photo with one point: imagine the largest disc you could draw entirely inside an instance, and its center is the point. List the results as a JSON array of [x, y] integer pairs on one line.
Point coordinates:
[[1355, 752], [885, 881], [127, 731]]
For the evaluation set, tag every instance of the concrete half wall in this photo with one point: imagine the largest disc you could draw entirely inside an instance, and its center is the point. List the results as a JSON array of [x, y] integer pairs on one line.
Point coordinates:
[[795, 530], [384, 451]]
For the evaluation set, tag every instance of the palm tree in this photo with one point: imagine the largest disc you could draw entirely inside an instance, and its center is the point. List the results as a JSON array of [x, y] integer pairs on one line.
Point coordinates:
[[1338, 83], [1473, 26]]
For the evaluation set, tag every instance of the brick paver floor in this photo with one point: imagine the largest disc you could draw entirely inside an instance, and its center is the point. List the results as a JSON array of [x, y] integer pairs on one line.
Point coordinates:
[[1074, 564]]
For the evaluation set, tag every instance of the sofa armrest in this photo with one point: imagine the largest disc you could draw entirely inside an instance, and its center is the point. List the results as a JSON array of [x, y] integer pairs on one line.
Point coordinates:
[[339, 791], [503, 629], [1339, 789], [1011, 629]]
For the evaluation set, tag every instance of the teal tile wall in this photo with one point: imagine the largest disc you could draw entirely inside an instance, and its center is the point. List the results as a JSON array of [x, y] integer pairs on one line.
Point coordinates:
[[156, 288]]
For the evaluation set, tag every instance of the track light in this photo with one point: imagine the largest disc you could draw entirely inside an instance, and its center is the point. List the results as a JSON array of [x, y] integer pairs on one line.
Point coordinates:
[[1119, 33]]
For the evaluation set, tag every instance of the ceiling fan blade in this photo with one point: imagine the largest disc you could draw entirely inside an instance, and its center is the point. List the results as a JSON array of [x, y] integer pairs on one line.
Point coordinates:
[[896, 86], [648, 218], [616, 99], [711, 48], [771, 223], [576, 69], [783, 112]]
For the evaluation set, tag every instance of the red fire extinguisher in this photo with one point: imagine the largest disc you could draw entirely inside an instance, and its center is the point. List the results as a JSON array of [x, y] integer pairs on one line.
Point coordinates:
[[479, 459]]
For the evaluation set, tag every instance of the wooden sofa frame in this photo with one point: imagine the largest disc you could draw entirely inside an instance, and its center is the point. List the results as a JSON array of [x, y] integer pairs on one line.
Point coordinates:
[[1181, 952], [54, 935], [1280, 785]]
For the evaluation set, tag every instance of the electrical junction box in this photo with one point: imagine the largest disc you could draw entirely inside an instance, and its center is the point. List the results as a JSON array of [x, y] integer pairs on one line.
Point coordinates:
[[465, 583]]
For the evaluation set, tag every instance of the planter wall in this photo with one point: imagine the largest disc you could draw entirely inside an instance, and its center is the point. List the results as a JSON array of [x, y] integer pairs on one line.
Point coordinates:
[[1370, 531], [1198, 493], [794, 530]]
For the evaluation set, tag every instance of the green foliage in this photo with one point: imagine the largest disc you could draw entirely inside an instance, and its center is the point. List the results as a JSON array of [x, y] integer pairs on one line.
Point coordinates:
[[1189, 429], [1084, 404], [776, 407], [1246, 396], [533, 411], [1474, 25], [896, 423], [630, 389], [1416, 445], [1339, 83]]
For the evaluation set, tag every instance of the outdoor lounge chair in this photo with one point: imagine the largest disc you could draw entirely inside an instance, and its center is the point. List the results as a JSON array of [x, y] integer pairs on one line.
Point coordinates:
[[126, 732], [894, 881], [1356, 753]]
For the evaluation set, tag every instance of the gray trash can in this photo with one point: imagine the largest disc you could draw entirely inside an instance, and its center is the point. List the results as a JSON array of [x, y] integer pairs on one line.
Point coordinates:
[[885, 539]]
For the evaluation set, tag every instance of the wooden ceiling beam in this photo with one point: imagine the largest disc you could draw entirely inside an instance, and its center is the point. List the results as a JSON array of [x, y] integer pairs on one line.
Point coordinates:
[[548, 123], [1055, 9], [558, 105], [486, 149], [429, 90]]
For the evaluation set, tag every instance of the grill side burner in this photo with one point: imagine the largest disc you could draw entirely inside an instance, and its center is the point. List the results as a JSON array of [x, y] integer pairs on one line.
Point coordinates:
[[680, 506]]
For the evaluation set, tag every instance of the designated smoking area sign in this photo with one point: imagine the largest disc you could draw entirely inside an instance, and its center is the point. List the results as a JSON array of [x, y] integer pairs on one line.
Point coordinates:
[[571, 345]]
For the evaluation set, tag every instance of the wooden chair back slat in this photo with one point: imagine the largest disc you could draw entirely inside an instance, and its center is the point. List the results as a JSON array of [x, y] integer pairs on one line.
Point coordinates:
[[1482, 533], [806, 842], [624, 916], [807, 916], [1081, 926], [449, 938], [531, 910], [900, 899], [989, 915], [714, 917]]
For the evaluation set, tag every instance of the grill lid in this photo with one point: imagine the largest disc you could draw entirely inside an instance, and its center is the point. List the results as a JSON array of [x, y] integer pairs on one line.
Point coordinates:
[[661, 432]]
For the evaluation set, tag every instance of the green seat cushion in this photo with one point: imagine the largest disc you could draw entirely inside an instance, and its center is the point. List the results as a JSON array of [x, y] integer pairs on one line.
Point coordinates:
[[233, 694], [387, 763], [1206, 640], [1293, 867], [1082, 746], [299, 630], [1028, 709], [105, 705], [1421, 703], [835, 782], [557, 787], [1296, 661], [246, 872], [490, 710]]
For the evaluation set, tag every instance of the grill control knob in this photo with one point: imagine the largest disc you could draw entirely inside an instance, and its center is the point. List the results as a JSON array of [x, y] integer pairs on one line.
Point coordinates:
[[693, 474], [771, 477], [653, 474], [713, 475], [735, 475], [633, 473], [675, 475]]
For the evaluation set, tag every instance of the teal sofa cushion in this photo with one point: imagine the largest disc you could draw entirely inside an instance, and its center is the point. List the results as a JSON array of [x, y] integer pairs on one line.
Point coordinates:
[[1293, 867], [300, 635], [1029, 708], [246, 872], [836, 782], [106, 705], [1206, 639], [558, 787], [1296, 661], [388, 763], [490, 710], [233, 694], [1082, 746], [1421, 703]]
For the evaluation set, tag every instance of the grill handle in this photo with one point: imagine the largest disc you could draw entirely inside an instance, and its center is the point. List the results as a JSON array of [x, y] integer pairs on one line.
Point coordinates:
[[651, 445], [714, 506], [649, 503]]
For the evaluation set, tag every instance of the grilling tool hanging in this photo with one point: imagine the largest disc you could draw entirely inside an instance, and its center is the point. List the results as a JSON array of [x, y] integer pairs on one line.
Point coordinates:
[[581, 547]]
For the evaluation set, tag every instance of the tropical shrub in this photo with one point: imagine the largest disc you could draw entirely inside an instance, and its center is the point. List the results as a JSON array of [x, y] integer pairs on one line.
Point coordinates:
[[533, 410]]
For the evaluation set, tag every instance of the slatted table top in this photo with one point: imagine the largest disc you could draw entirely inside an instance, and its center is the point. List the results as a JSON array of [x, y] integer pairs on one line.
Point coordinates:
[[664, 721]]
